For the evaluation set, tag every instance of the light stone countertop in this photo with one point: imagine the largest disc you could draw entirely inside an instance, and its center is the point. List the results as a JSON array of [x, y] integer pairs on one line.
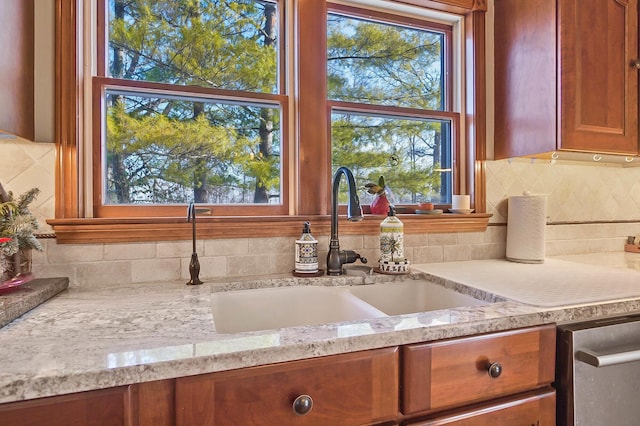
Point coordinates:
[[93, 338]]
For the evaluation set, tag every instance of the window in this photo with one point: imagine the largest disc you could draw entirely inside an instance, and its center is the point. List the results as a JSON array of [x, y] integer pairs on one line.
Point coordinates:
[[390, 93], [192, 106], [252, 122]]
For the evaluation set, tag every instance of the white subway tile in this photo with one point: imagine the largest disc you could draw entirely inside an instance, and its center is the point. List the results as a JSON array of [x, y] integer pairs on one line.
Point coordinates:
[[147, 270], [129, 251]]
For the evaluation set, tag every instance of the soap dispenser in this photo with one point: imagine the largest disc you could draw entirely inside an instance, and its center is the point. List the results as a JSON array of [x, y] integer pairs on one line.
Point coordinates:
[[392, 258], [306, 261]]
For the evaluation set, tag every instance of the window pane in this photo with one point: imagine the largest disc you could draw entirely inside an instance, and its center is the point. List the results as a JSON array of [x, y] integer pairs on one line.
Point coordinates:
[[382, 64], [163, 150], [209, 43], [414, 156]]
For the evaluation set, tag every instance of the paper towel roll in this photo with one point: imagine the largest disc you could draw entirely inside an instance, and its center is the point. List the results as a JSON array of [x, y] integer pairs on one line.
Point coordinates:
[[527, 218]]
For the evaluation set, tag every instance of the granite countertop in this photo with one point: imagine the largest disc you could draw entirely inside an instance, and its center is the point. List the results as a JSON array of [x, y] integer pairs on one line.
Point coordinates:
[[92, 338]]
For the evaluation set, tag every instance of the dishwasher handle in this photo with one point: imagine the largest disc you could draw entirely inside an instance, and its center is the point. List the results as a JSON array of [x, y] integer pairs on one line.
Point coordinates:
[[605, 360]]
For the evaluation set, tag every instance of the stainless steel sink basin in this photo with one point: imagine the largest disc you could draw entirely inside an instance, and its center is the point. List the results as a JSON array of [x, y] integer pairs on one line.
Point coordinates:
[[406, 297], [269, 308], [272, 308]]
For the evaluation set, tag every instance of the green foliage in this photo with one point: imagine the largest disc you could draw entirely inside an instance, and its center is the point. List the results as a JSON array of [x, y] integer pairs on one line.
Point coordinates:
[[18, 223], [386, 65], [163, 149]]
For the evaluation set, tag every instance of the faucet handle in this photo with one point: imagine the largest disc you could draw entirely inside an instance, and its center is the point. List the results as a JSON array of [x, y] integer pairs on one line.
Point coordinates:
[[350, 256]]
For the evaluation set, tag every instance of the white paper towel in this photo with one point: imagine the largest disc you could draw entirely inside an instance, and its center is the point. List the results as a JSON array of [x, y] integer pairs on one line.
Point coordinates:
[[527, 218]]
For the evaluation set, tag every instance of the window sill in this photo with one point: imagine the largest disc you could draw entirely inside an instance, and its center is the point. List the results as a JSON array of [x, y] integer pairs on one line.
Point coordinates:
[[115, 230]]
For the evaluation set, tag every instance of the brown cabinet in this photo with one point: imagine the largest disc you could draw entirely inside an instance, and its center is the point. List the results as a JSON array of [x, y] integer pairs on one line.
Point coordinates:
[[536, 408], [135, 405], [451, 374], [16, 67], [349, 389], [566, 76], [444, 382]]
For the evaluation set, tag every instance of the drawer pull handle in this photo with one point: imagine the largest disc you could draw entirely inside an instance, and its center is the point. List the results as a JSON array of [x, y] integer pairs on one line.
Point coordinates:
[[494, 370], [302, 405], [636, 64]]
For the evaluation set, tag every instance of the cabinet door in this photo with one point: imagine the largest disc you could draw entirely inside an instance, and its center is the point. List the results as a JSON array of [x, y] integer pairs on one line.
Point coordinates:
[[537, 409], [525, 81], [349, 389], [135, 405], [98, 408], [16, 67], [599, 84]]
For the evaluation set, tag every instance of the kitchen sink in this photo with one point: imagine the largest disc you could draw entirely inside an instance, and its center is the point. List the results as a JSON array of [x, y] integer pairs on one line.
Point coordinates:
[[271, 308], [411, 296]]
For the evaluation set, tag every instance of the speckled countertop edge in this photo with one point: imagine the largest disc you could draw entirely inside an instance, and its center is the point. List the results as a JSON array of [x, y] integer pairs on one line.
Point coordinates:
[[85, 339], [20, 300]]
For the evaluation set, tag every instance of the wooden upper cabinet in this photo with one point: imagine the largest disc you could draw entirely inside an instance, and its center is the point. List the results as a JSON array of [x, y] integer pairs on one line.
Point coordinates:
[[564, 76], [599, 85], [16, 67]]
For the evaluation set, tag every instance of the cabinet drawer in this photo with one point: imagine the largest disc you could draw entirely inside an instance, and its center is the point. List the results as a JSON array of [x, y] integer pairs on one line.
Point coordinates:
[[538, 408], [99, 408], [348, 389], [455, 372]]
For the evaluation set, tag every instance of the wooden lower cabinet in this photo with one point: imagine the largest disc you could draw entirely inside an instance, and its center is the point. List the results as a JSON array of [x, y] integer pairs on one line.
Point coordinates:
[[501, 378], [533, 409], [135, 405], [436, 383], [359, 388]]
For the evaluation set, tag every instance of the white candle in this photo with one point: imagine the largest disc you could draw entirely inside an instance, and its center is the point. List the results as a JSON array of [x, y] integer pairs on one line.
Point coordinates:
[[461, 202]]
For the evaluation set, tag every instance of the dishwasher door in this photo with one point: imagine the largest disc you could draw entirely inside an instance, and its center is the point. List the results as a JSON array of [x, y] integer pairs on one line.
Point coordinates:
[[598, 374]]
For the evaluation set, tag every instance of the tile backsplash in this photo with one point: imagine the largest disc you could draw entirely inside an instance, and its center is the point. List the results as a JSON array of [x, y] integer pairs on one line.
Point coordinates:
[[578, 194], [576, 191]]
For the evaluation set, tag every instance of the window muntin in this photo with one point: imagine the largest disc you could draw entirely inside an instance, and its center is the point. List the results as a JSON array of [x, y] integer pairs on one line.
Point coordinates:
[[390, 92], [191, 107]]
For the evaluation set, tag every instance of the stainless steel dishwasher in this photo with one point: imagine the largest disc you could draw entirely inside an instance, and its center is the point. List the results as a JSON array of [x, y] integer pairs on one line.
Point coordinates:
[[598, 374]]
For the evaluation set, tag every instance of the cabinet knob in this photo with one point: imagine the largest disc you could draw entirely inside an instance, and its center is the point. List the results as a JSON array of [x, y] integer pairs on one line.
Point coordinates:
[[302, 405], [495, 370], [636, 63]]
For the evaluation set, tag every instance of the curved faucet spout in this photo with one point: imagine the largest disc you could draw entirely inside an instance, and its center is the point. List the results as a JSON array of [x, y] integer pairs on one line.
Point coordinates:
[[336, 258]]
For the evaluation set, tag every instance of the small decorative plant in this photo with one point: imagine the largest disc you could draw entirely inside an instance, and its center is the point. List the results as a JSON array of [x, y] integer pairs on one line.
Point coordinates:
[[17, 228], [380, 204]]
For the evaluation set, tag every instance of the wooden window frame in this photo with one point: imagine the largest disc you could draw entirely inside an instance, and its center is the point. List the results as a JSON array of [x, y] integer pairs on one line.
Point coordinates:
[[309, 160], [103, 82], [446, 113]]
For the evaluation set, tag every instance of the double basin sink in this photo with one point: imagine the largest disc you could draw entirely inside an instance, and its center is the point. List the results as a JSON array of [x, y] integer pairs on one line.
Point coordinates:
[[272, 308]]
